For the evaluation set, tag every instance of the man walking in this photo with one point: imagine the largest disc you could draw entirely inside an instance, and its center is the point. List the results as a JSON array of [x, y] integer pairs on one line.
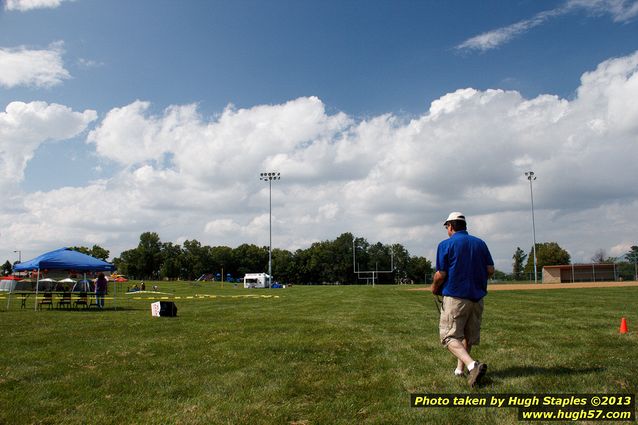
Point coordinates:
[[463, 266]]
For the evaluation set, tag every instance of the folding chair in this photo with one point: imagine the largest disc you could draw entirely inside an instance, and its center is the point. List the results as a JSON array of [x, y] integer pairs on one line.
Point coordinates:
[[65, 300], [46, 299], [82, 300]]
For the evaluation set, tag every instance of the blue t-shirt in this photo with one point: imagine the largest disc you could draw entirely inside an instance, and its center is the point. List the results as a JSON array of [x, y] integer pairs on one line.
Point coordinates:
[[465, 259]]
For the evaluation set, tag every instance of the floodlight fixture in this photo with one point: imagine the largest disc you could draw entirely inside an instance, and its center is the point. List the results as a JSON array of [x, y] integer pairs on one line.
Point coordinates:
[[269, 176]]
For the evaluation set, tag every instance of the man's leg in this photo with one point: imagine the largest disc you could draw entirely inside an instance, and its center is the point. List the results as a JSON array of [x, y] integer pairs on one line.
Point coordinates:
[[460, 366], [451, 329], [473, 335], [477, 369], [454, 335], [457, 348]]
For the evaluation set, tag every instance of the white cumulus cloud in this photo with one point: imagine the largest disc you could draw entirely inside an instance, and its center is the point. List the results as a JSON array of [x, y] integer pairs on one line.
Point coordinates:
[[387, 178], [38, 68], [26, 5], [25, 126]]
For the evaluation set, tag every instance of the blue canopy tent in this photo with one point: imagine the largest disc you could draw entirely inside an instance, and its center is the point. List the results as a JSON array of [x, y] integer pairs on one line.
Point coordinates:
[[63, 259]]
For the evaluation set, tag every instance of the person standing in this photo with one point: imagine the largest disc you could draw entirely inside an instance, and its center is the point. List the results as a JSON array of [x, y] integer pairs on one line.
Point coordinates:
[[463, 266], [100, 290]]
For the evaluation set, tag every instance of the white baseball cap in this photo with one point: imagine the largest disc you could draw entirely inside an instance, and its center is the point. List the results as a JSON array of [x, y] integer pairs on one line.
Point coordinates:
[[455, 216]]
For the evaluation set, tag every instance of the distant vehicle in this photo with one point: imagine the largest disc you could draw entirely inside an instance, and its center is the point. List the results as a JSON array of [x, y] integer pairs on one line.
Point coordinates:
[[256, 280]]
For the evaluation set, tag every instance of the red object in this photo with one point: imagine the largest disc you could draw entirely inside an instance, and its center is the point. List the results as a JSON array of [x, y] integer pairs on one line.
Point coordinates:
[[10, 278], [623, 326]]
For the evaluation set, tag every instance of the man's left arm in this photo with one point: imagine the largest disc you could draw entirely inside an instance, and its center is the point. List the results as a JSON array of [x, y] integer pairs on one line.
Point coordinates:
[[490, 263]]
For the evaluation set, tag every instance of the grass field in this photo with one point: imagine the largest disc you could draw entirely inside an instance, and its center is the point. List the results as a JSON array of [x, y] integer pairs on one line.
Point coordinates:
[[303, 355]]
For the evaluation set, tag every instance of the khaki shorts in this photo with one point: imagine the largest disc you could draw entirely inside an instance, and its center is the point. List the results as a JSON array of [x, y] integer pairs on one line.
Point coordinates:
[[460, 319]]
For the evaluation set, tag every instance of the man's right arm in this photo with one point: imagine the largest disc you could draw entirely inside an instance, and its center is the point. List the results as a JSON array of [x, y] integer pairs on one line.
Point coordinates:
[[437, 282]]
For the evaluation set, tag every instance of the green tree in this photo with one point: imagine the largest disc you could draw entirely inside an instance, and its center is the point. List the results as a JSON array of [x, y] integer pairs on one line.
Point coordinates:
[[250, 259], [420, 269], [380, 257], [96, 252], [300, 269], [283, 265], [222, 258], [172, 259], [330, 261], [197, 259], [6, 268], [128, 263], [499, 275], [518, 267], [82, 249], [632, 257], [320, 265], [401, 262], [326, 261], [341, 252], [99, 252], [149, 255], [549, 254], [361, 257]]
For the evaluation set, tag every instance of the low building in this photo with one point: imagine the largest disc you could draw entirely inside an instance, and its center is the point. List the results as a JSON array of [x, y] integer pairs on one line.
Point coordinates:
[[594, 272]]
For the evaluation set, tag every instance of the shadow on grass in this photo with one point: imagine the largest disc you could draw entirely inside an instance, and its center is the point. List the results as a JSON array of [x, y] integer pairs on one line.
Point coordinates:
[[111, 309], [518, 371], [88, 310]]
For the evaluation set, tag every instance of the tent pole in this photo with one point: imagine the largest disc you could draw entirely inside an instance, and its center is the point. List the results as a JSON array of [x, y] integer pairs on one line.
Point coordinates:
[[9, 298], [37, 287]]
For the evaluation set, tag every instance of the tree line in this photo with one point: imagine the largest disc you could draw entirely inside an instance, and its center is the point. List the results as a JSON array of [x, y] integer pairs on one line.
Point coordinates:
[[551, 254], [329, 261]]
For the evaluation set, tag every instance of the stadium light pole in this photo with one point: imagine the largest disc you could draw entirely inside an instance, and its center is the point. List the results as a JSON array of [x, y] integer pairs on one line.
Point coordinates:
[[19, 255], [269, 177], [531, 177], [354, 257]]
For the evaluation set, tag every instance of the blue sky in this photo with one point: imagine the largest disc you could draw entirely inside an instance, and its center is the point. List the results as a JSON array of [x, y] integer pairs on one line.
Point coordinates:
[[360, 57], [374, 111]]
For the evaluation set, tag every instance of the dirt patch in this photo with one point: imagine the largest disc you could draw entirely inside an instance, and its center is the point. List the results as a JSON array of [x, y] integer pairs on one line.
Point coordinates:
[[526, 286], [532, 286]]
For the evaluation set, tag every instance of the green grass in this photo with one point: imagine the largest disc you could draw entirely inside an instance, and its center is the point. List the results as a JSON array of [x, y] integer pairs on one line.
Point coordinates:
[[307, 355]]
